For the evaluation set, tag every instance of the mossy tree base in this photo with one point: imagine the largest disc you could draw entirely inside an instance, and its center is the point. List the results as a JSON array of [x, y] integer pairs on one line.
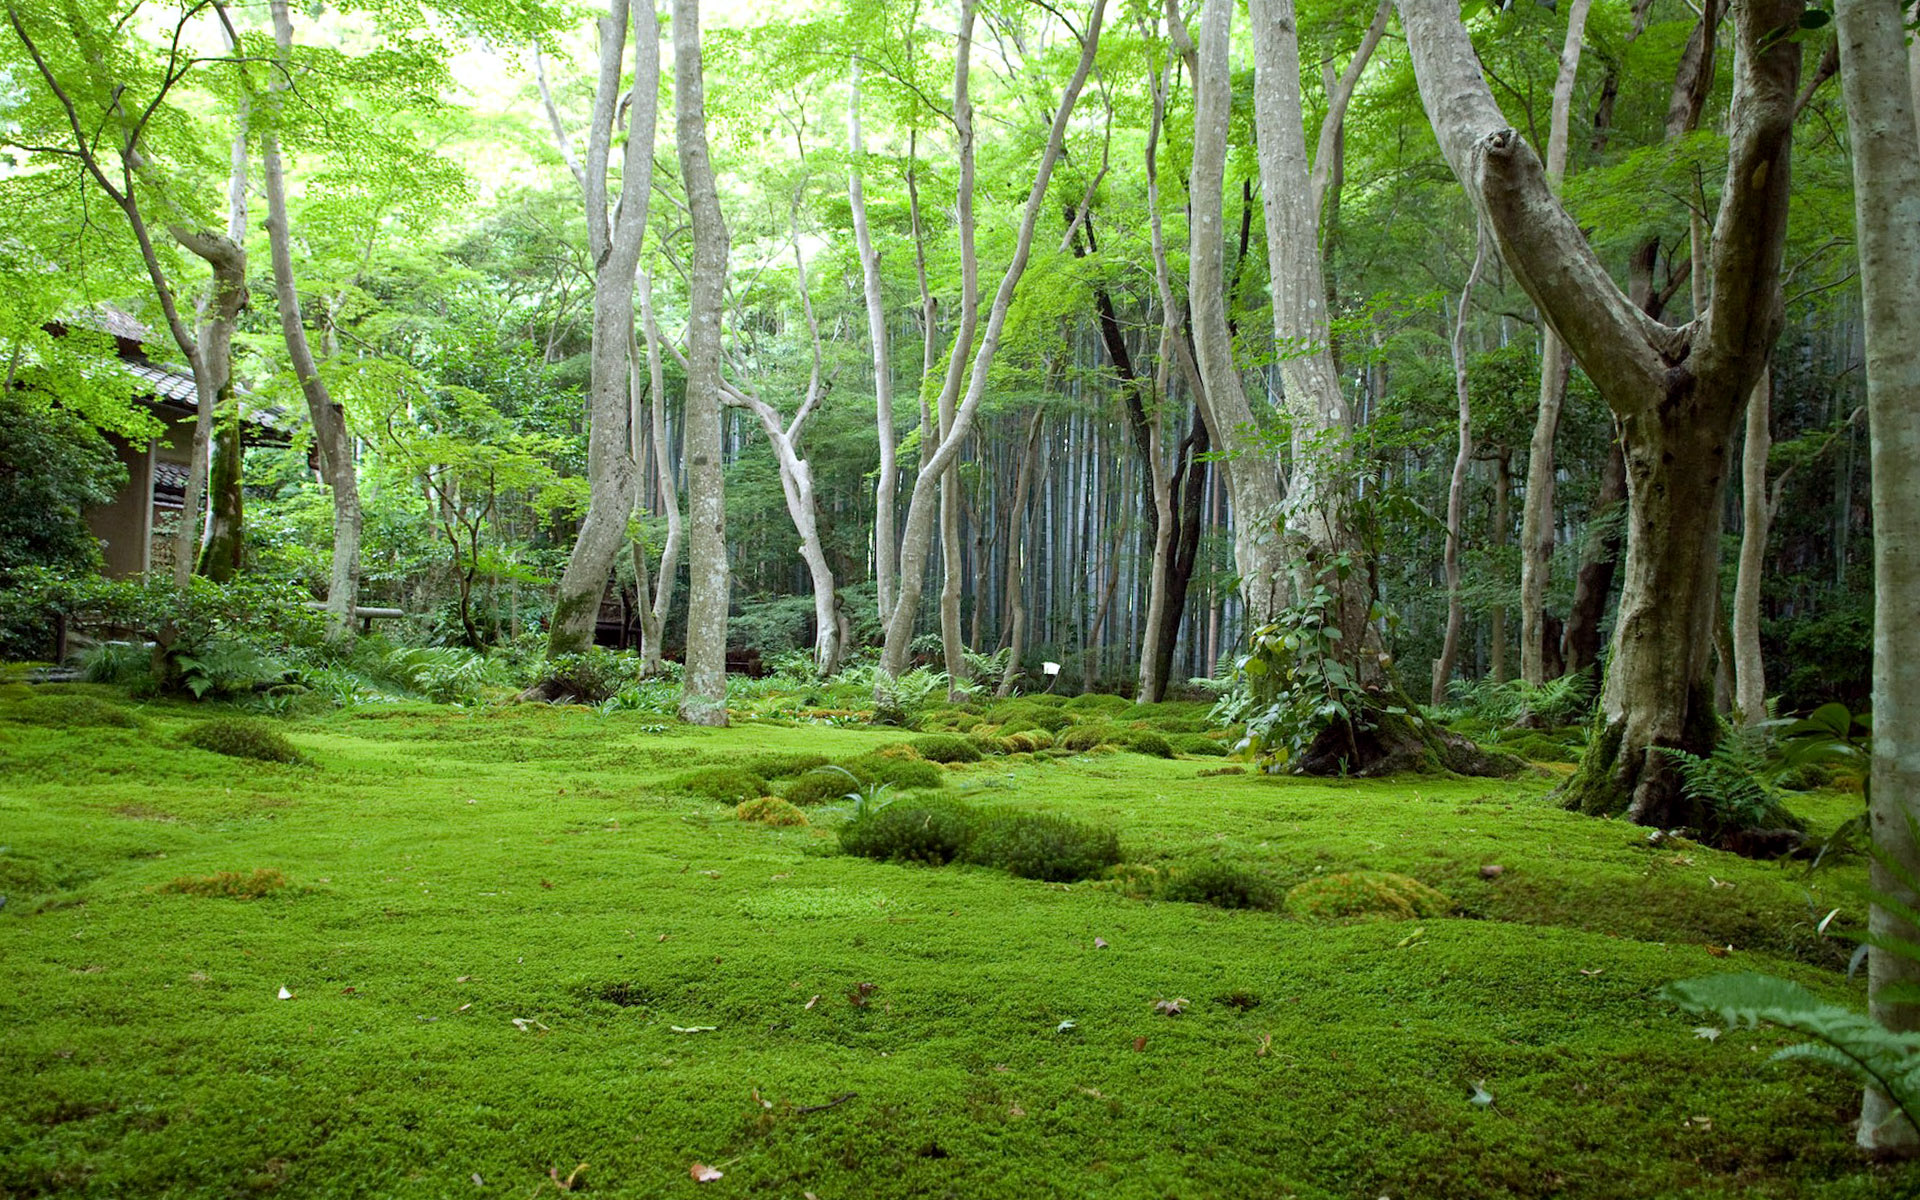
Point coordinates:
[[1388, 743], [1626, 771]]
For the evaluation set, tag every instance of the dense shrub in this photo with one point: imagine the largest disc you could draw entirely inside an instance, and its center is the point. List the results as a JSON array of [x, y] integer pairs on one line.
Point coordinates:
[[783, 764], [231, 885], [724, 785], [69, 712], [1146, 741], [1367, 894], [770, 810], [1222, 885], [1086, 737], [1043, 846], [239, 737], [946, 748], [588, 678], [929, 831], [1198, 745]]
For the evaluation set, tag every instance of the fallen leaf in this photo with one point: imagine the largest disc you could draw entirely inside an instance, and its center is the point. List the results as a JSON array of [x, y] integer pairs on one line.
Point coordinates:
[[1481, 1096], [693, 1028], [1172, 1008], [526, 1024], [285, 994], [1410, 939], [1062, 1027], [347, 991], [1720, 883], [477, 1181], [814, 1001], [1094, 1092], [464, 1007], [546, 883], [1139, 1044], [1592, 973], [463, 979], [1016, 1111], [759, 1101], [565, 1185], [1266, 1043], [1492, 871], [858, 996], [702, 1173], [665, 936], [788, 875], [712, 875], [1825, 921], [1719, 951], [1706, 1031], [1099, 943]]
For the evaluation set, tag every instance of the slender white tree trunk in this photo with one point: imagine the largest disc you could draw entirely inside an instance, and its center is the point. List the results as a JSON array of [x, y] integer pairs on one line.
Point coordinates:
[[330, 434], [653, 616], [1457, 484], [1879, 82], [1749, 669], [703, 698], [886, 546]]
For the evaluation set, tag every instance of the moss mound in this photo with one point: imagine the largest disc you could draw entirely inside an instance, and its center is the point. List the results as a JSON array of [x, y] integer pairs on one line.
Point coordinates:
[[70, 712], [231, 885], [1086, 737], [1223, 885], [1027, 741], [783, 765], [238, 737], [1044, 846], [1199, 745], [1146, 741], [834, 780], [1096, 703], [1378, 894], [930, 831], [946, 748], [771, 810], [1028, 712], [722, 785]]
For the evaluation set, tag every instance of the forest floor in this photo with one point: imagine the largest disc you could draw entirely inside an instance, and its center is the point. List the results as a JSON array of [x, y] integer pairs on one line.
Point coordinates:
[[510, 961]]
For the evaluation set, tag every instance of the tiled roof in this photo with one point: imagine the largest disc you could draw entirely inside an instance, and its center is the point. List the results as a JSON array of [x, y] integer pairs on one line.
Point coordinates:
[[113, 322], [170, 477], [168, 383]]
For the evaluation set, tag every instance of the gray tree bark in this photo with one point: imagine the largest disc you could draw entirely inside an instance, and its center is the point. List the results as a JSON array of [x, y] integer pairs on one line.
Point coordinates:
[[1881, 85], [703, 699], [1677, 392], [1457, 484], [886, 546], [614, 241], [330, 434]]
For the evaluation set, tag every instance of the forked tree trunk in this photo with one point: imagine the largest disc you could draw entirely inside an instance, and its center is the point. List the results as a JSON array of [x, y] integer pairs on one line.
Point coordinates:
[[703, 699], [330, 434], [1677, 392], [886, 547], [614, 241], [1882, 88], [654, 608]]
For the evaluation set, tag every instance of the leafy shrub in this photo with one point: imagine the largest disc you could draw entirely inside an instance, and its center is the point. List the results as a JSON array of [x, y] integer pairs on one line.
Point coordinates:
[[929, 831], [1199, 745], [441, 674], [227, 666], [241, 737], [590, 678], [1044, 846], [115, 662], [1367, 894], [1086, 737], [725, 785], [946, 748], [70, 712], [1222, 885], [770, 810], [231, 885], [1567, 700], [1146, 741], [653, 697], [783, 764]]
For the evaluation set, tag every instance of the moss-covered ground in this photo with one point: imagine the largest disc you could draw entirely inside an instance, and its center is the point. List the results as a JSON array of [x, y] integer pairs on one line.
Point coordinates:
[[506, 948]]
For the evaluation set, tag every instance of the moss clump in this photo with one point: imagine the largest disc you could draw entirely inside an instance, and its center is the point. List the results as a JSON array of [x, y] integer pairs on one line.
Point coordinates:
[[914, 772], [989, 743], [1027, 712], [825, 783], [898, 750], [1167, 711], [238, 737], [1146, 741], [230, 885], [1222, 885], [56, 711], [1199, 745], [946, 748], [770, 810], [1086, 737], [723, 785], [1044, 846], [930, 831], [1379, 894], [783, 765], [1027, 741], [1096, 703], [1535, 748]]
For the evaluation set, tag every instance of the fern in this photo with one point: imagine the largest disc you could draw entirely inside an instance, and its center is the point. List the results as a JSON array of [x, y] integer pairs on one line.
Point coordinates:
[[1733, 781]]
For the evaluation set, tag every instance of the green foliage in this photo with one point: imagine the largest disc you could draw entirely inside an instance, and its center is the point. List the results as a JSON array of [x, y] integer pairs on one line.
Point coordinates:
[[53, 465], [946, 748], [725, 785], [591, 677], [227, 666], [1732, 783], [442, 674], [242, 737], [931, 832], [1221, 884], [770, 810], [1567, 700], [115, 662], [1367, 894], [58, 711], [1044, 846]]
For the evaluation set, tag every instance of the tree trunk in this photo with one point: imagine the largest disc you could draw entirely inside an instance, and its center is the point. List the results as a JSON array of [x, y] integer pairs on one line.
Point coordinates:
[[703, 698], [614, 241], [1457, 485], [1749, 670], [1882, 90], [654, 609], [1017, 561], [1677, 392], [330, 434], [886, 548], [1536, 518], [1502, 518], [1599, 560]]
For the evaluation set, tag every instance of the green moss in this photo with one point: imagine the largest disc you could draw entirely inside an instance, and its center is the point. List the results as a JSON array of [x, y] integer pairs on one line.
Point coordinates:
[[946, 748], [723, 785], [1146, 741], [1044, 846], [1096, 704], [784, 765], [770, 810], [60, 711], [232, 885], [1198, 745], [1027, 712], [1223, 885], [1367, 894], [240, 737], [1086, 737]]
